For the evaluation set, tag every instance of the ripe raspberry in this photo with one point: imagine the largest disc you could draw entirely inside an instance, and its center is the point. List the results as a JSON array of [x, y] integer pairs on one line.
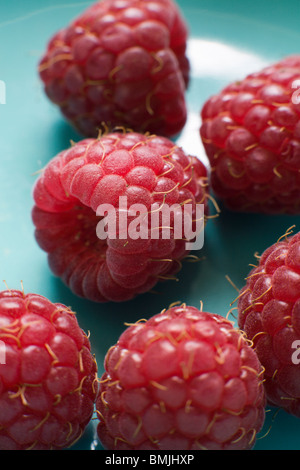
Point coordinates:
[[48, 382], [122, 62], [269, 313], [183, 380], [251, 134], [146, 170]]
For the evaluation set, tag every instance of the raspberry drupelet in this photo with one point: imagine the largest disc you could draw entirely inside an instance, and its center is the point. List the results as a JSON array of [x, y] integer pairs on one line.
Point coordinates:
[[182, 380], [122, 62], [147, 170], [48, 375], [251, 134], [269, 313]]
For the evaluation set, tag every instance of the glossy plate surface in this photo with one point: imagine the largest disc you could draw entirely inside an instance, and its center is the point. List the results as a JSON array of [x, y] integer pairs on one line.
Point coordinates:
[[227, 41]]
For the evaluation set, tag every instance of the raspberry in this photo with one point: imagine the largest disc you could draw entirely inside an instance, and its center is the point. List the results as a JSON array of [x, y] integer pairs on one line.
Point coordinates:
[[183, 380], [122, 63], [48, 382], [251, 134], [269, 313], [144, 169]]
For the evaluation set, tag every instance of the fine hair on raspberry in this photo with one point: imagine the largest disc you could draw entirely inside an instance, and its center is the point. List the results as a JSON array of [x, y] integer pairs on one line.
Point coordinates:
[[145, 169], [48, 378], [182, 380], [122, 63]]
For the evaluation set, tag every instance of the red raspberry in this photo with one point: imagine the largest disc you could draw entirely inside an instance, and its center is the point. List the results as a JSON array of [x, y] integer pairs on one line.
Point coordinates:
[[146, 170], [251, 134], [122, 62], [269, 313], [48, 382], [183, 380]]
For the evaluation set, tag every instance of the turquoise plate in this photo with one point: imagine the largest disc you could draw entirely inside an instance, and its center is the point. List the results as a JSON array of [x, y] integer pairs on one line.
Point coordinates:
[[227, 41]]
